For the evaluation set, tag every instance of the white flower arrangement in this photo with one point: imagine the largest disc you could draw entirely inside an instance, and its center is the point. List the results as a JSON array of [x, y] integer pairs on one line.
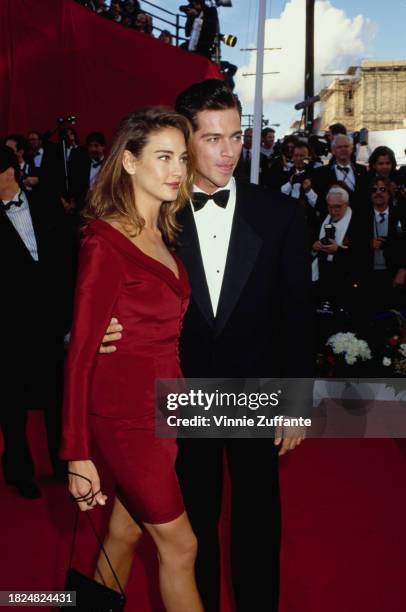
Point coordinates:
[[402, 350], [350, 346], [386, 361]]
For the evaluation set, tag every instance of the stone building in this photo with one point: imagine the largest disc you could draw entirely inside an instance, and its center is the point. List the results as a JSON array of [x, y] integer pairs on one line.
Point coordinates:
[[372, 95]]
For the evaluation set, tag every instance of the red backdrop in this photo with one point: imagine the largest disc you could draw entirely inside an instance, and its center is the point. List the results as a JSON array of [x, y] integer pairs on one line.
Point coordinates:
[[58, 58]]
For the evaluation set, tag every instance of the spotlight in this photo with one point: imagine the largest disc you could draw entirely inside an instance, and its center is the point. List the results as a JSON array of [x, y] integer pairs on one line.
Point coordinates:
[[228, 39]]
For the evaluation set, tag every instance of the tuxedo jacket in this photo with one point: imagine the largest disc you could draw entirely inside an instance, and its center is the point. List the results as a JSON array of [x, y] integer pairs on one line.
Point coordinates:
[[350, 263], [79, 174], [394, 248], [37, 295], [263, 325], [325, 177], [243, 169], [47, 173]]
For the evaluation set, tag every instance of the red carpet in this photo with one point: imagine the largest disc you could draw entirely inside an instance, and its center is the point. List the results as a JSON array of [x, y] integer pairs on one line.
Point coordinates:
[[344, 508]]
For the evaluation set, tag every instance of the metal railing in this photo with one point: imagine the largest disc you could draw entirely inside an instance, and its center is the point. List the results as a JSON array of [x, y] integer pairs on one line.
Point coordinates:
[[175, 24]]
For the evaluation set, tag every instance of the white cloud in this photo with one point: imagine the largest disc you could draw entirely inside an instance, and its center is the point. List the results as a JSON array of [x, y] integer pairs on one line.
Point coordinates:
[[340, 41]]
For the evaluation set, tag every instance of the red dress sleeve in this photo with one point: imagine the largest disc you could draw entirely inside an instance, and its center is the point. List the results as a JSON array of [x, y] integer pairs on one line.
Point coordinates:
[[97, 289]]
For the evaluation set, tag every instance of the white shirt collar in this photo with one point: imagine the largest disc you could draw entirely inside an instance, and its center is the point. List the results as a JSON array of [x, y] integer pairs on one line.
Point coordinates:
[[378, 213], [14, 198]]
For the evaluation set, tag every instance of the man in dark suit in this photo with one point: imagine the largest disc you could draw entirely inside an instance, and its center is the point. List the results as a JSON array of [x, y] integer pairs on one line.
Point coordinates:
[[42, 155], [249, 316], [341, 170], [243, 168], [84, 166], [339, 253], [386, 232], [38, 254]]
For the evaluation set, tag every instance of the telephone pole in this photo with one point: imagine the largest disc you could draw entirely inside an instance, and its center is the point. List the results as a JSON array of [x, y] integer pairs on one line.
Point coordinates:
[[309, 65]]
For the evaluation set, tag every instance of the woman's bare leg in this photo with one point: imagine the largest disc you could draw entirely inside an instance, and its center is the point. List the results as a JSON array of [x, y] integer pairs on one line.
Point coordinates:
[[120, 543], [177, 548]]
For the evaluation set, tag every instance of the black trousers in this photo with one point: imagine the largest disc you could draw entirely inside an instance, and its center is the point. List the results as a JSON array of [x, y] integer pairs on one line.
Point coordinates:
[[17, 460], [255, 517], [38, 385]]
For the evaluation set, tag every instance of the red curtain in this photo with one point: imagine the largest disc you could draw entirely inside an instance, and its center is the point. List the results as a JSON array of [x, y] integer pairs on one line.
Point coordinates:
[[58, 58]]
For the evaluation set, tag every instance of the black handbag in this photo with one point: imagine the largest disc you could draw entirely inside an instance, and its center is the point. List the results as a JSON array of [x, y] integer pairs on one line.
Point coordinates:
[[91, 596]]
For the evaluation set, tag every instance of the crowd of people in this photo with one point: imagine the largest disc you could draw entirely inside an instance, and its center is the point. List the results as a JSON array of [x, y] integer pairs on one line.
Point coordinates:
[[126, 12], [356, 216]]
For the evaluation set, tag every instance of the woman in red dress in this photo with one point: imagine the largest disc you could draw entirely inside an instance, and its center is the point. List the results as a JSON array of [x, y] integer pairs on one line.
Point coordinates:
[[128, 270]]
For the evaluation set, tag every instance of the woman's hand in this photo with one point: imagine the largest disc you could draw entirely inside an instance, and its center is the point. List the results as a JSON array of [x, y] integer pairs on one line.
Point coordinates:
[[84, 482]]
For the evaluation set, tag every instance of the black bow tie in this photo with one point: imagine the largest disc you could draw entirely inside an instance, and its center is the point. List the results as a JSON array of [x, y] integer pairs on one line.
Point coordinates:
[[36, 153], [200, 199], [344, 169], [17, 203], [96, 164]]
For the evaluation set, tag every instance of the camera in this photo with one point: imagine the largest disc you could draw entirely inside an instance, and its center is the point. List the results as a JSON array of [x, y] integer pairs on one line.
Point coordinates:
[[330, 231]]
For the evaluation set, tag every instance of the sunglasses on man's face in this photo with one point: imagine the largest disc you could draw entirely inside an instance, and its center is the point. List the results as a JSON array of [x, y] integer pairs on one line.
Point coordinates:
[[380, 189]]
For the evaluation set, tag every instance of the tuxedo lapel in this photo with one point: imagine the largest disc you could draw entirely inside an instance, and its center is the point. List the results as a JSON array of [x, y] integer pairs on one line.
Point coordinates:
[[242, 253], [189, 252], [12, 237]]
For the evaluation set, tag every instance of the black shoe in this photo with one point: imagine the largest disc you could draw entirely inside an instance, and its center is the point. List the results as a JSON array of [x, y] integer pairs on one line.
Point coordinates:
[[28, 489]]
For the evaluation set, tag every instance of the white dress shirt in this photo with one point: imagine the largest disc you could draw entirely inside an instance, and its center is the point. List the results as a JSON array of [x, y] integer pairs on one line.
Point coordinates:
[[94, 172], [380, 230], [346, 177], [295, 190], [37, 158], [213, 225], [20, 217]]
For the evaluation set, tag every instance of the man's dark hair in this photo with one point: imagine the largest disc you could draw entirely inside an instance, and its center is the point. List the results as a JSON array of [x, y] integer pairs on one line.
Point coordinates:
[[8, 159], [95, 137], [266, 131], [382, 151], [20, 140], [212, 94], [337, 128]]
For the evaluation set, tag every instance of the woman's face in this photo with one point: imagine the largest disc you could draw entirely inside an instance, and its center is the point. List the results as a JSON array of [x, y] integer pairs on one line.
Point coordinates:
[[161, 168], [383, 166]]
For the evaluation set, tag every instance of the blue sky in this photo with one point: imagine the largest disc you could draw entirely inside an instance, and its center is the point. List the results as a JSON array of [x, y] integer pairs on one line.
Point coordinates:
[[377, 34]]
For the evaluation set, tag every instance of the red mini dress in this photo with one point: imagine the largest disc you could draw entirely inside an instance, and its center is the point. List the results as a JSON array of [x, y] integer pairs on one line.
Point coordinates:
[[109, 399]]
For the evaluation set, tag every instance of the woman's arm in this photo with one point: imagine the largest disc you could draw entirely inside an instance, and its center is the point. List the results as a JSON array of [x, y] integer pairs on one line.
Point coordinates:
[[97, 288]]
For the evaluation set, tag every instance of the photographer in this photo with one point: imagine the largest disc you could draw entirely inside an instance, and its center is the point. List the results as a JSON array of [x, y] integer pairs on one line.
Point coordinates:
[[201, 27], [339, 253], [280, 162], [299, 185]]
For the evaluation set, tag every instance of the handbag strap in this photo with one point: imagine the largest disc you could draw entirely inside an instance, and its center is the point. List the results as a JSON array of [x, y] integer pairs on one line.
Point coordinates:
[[99, 541]]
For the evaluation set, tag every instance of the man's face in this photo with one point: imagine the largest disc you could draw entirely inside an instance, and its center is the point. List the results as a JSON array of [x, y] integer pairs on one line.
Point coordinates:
[[269, 140], [343, 150], [380, 195], [217, 145], [7, 178], [248, 138], [35, 141], [336, 207], [300, 157], [95, 150]]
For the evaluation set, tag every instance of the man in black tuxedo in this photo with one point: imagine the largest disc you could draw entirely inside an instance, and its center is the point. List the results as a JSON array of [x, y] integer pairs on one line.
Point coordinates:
[[243, 168], [84, 166], [43, 157], [386, 231], [249, 316], [38, 253], [341, 169]]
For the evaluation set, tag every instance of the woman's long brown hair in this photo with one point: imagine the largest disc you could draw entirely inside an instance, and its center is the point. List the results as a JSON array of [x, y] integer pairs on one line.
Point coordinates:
[[113, 195]]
